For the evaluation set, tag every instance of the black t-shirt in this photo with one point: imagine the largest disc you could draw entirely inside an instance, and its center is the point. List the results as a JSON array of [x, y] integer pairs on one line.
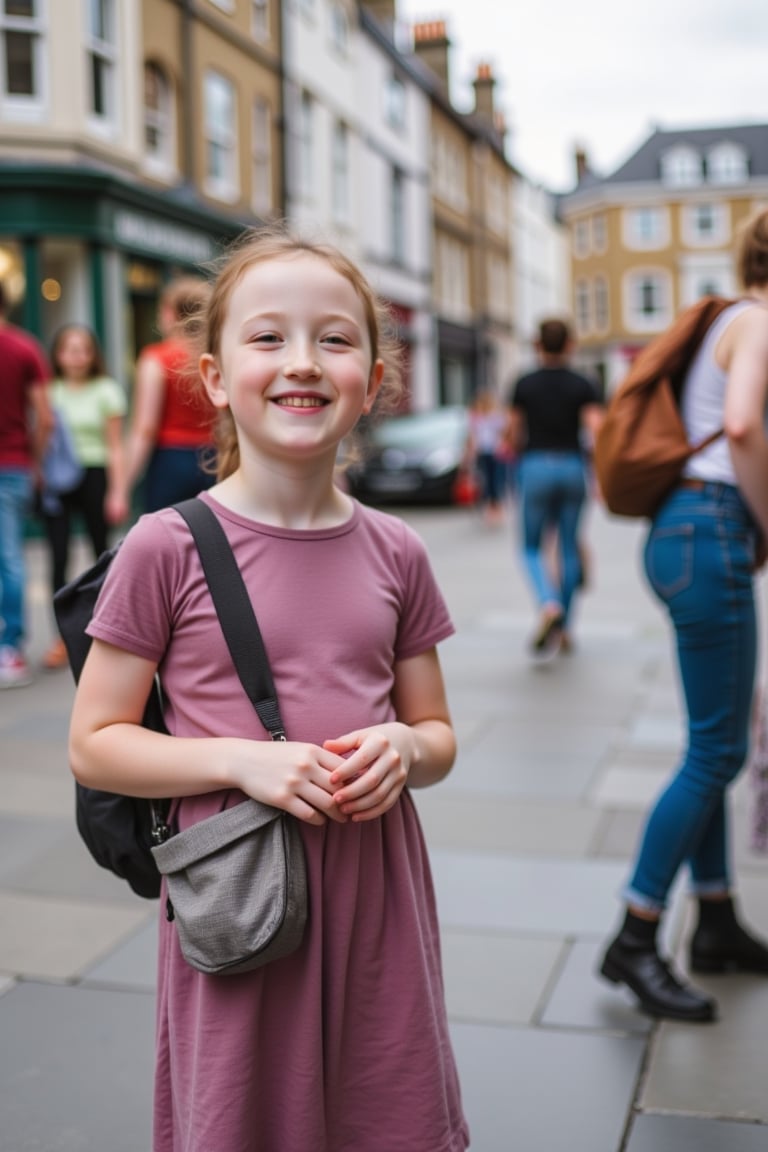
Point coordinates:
[[551, 399]]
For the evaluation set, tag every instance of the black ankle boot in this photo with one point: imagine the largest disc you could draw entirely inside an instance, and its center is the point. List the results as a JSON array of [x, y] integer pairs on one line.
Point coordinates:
[[721, 944], [632, 959]]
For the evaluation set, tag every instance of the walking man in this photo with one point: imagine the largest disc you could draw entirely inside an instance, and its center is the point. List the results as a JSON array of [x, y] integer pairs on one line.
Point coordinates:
[[550, 409]]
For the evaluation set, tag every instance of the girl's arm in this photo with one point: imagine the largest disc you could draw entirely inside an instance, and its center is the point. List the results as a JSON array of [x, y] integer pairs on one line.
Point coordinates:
[[149, 395], [109, 749], [116, 502], [419, 748], [744, 414]]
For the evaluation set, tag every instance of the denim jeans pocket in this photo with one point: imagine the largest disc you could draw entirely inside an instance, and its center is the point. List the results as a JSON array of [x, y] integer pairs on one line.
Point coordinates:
[[669, 559]]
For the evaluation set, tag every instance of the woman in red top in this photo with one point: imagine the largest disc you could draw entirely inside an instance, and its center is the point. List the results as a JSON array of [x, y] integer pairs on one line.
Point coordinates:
[[172, 418]]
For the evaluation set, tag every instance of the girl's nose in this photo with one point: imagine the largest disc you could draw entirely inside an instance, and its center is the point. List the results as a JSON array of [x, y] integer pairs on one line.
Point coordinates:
[[302, 361]]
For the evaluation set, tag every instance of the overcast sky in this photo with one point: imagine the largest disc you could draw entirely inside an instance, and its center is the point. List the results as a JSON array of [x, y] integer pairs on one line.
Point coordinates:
[[602, 73]]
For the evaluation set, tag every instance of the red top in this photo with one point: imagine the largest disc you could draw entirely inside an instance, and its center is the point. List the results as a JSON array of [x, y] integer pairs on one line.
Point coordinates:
[[187, 417], [22, 365]]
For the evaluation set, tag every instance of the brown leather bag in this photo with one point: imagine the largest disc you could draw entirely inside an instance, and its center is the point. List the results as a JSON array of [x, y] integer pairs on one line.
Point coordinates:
[[642, 446]]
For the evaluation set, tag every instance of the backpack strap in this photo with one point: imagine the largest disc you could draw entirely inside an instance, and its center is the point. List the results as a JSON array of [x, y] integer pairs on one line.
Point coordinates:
[[235, 611]]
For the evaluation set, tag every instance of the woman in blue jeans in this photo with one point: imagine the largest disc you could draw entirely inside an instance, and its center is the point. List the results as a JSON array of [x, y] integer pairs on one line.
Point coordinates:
[[702, 550]]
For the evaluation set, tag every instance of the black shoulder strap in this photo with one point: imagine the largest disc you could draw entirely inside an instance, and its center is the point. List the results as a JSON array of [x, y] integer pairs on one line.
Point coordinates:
[[235, 612]]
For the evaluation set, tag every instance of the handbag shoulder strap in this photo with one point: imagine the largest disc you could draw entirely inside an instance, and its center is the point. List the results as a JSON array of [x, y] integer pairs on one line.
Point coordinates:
[[235, 611]]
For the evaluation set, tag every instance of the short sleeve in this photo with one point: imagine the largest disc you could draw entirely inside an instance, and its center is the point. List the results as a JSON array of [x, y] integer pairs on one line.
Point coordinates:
[[113, 398], [134, 609], [424, 619]]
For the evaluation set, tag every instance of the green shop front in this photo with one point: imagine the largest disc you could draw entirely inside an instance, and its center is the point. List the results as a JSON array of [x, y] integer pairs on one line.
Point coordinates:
[[84, 246]]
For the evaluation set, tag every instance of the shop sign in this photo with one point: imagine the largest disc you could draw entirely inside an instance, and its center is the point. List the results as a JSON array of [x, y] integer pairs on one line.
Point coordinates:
[[161, 238]]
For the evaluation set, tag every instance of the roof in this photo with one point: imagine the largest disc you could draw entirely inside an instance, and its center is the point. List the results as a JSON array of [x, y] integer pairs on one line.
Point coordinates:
[[645, 164]]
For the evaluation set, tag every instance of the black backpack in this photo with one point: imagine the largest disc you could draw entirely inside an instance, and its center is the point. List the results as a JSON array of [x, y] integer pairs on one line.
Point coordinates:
[[120, 831]]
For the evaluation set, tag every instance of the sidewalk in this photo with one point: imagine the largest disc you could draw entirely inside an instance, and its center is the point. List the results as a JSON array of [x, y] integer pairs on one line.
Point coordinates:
[[530, 839]]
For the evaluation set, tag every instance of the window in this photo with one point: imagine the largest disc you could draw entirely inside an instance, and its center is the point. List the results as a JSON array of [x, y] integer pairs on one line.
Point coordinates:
[[602, 313], [305, 145], [705, 224], [599, 233], [22, 27], [339, 28], [582, 306], [340, 174], [261, 157], [397, 216], [727, 163], [102, 60], [260, 19], [646, 228], [581, 238], [450, 172], [647, 301], [681, 167], [394, 102], [220, 128], [158, 117], [452, 278]]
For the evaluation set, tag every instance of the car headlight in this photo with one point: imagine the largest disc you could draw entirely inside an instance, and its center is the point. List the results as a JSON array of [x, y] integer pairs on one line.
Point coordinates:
[[439, 461]]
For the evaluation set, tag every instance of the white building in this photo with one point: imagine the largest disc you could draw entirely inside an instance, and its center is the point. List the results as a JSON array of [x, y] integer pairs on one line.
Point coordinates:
[[541, 265]]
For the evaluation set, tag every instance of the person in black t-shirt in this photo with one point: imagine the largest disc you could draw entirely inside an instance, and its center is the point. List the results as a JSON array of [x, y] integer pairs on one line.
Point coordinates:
[[550, 409]]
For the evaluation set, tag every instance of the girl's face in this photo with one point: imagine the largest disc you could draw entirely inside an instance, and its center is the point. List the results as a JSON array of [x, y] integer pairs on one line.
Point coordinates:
[[74, 354], [294, 362]]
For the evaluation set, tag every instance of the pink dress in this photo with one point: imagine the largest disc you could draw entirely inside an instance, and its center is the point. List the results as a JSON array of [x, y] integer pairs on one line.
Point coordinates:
[[343, 1046]]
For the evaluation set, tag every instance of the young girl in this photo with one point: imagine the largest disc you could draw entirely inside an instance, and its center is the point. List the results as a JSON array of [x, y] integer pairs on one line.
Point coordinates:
[[92, 407], [342, 1046]]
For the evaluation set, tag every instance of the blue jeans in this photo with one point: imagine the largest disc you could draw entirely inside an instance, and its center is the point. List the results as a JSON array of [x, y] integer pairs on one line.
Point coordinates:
[[15, 498], [553, 489], [699, 559]]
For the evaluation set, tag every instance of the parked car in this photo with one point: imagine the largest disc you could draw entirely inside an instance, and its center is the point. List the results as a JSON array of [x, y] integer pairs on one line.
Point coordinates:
[[415, 458]]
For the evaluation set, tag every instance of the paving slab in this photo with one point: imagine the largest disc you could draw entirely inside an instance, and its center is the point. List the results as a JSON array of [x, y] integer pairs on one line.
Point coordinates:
[[692, 1134], [78, 1075], [496, 978], [461, 820], [56, 939], [532, 1089]]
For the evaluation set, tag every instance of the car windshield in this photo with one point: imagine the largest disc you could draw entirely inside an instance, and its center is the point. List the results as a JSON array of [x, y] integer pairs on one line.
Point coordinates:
[[438, 426]]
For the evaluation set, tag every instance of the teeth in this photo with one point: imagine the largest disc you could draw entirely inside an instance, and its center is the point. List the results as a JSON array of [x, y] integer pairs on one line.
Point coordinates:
[[300, 402]]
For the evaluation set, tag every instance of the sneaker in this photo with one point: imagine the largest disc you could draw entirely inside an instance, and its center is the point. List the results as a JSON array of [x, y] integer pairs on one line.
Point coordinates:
[[56, 656], [14, 670], [546, 641]]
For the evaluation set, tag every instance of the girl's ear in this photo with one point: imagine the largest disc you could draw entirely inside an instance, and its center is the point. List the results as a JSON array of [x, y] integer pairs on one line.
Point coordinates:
[[374, 383], [213, 381]]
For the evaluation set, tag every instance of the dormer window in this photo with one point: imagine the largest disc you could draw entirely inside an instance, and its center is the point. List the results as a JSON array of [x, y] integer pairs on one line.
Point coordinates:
[[681, 167], [727, 164]]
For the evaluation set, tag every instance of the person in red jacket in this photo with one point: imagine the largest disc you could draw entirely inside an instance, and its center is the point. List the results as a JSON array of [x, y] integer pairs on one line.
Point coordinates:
[[26, 421], [171, 426]]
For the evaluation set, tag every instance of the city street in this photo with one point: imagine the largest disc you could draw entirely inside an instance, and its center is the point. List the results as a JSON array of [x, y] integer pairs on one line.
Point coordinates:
[[530, 839]]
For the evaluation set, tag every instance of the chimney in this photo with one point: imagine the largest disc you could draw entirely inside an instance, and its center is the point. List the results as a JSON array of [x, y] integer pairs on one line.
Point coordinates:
[[431, 44], [582, 164], [385, 11], [483, 85]]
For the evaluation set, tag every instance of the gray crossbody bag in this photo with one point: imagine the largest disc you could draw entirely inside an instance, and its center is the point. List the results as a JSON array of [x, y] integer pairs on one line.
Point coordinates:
[[236, 882]]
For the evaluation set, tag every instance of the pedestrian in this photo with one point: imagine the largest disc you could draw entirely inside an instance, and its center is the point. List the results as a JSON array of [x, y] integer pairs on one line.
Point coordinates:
[[92, 407], [551, 411], [700, 557], [170, 436], [25, 426], [486, 451], [344, 1044]]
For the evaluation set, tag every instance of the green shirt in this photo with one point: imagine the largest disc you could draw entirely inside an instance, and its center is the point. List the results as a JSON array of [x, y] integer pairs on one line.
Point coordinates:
[[85, 409]]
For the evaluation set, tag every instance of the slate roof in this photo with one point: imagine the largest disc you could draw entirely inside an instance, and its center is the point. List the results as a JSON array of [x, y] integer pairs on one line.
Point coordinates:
[[645, 164]]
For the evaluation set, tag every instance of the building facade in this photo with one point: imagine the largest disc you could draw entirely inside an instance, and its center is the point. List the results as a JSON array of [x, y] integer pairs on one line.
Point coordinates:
[[657, 234], [136, 138]]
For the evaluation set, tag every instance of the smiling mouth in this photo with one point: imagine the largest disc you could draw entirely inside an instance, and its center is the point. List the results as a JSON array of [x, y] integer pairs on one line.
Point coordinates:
[[300, 402]]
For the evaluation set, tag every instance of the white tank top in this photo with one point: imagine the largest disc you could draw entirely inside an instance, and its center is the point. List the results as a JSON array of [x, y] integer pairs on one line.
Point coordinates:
[[703, 403]]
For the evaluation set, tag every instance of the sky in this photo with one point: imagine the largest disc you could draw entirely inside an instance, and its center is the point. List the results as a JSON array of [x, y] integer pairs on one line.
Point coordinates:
[[601, 74]]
